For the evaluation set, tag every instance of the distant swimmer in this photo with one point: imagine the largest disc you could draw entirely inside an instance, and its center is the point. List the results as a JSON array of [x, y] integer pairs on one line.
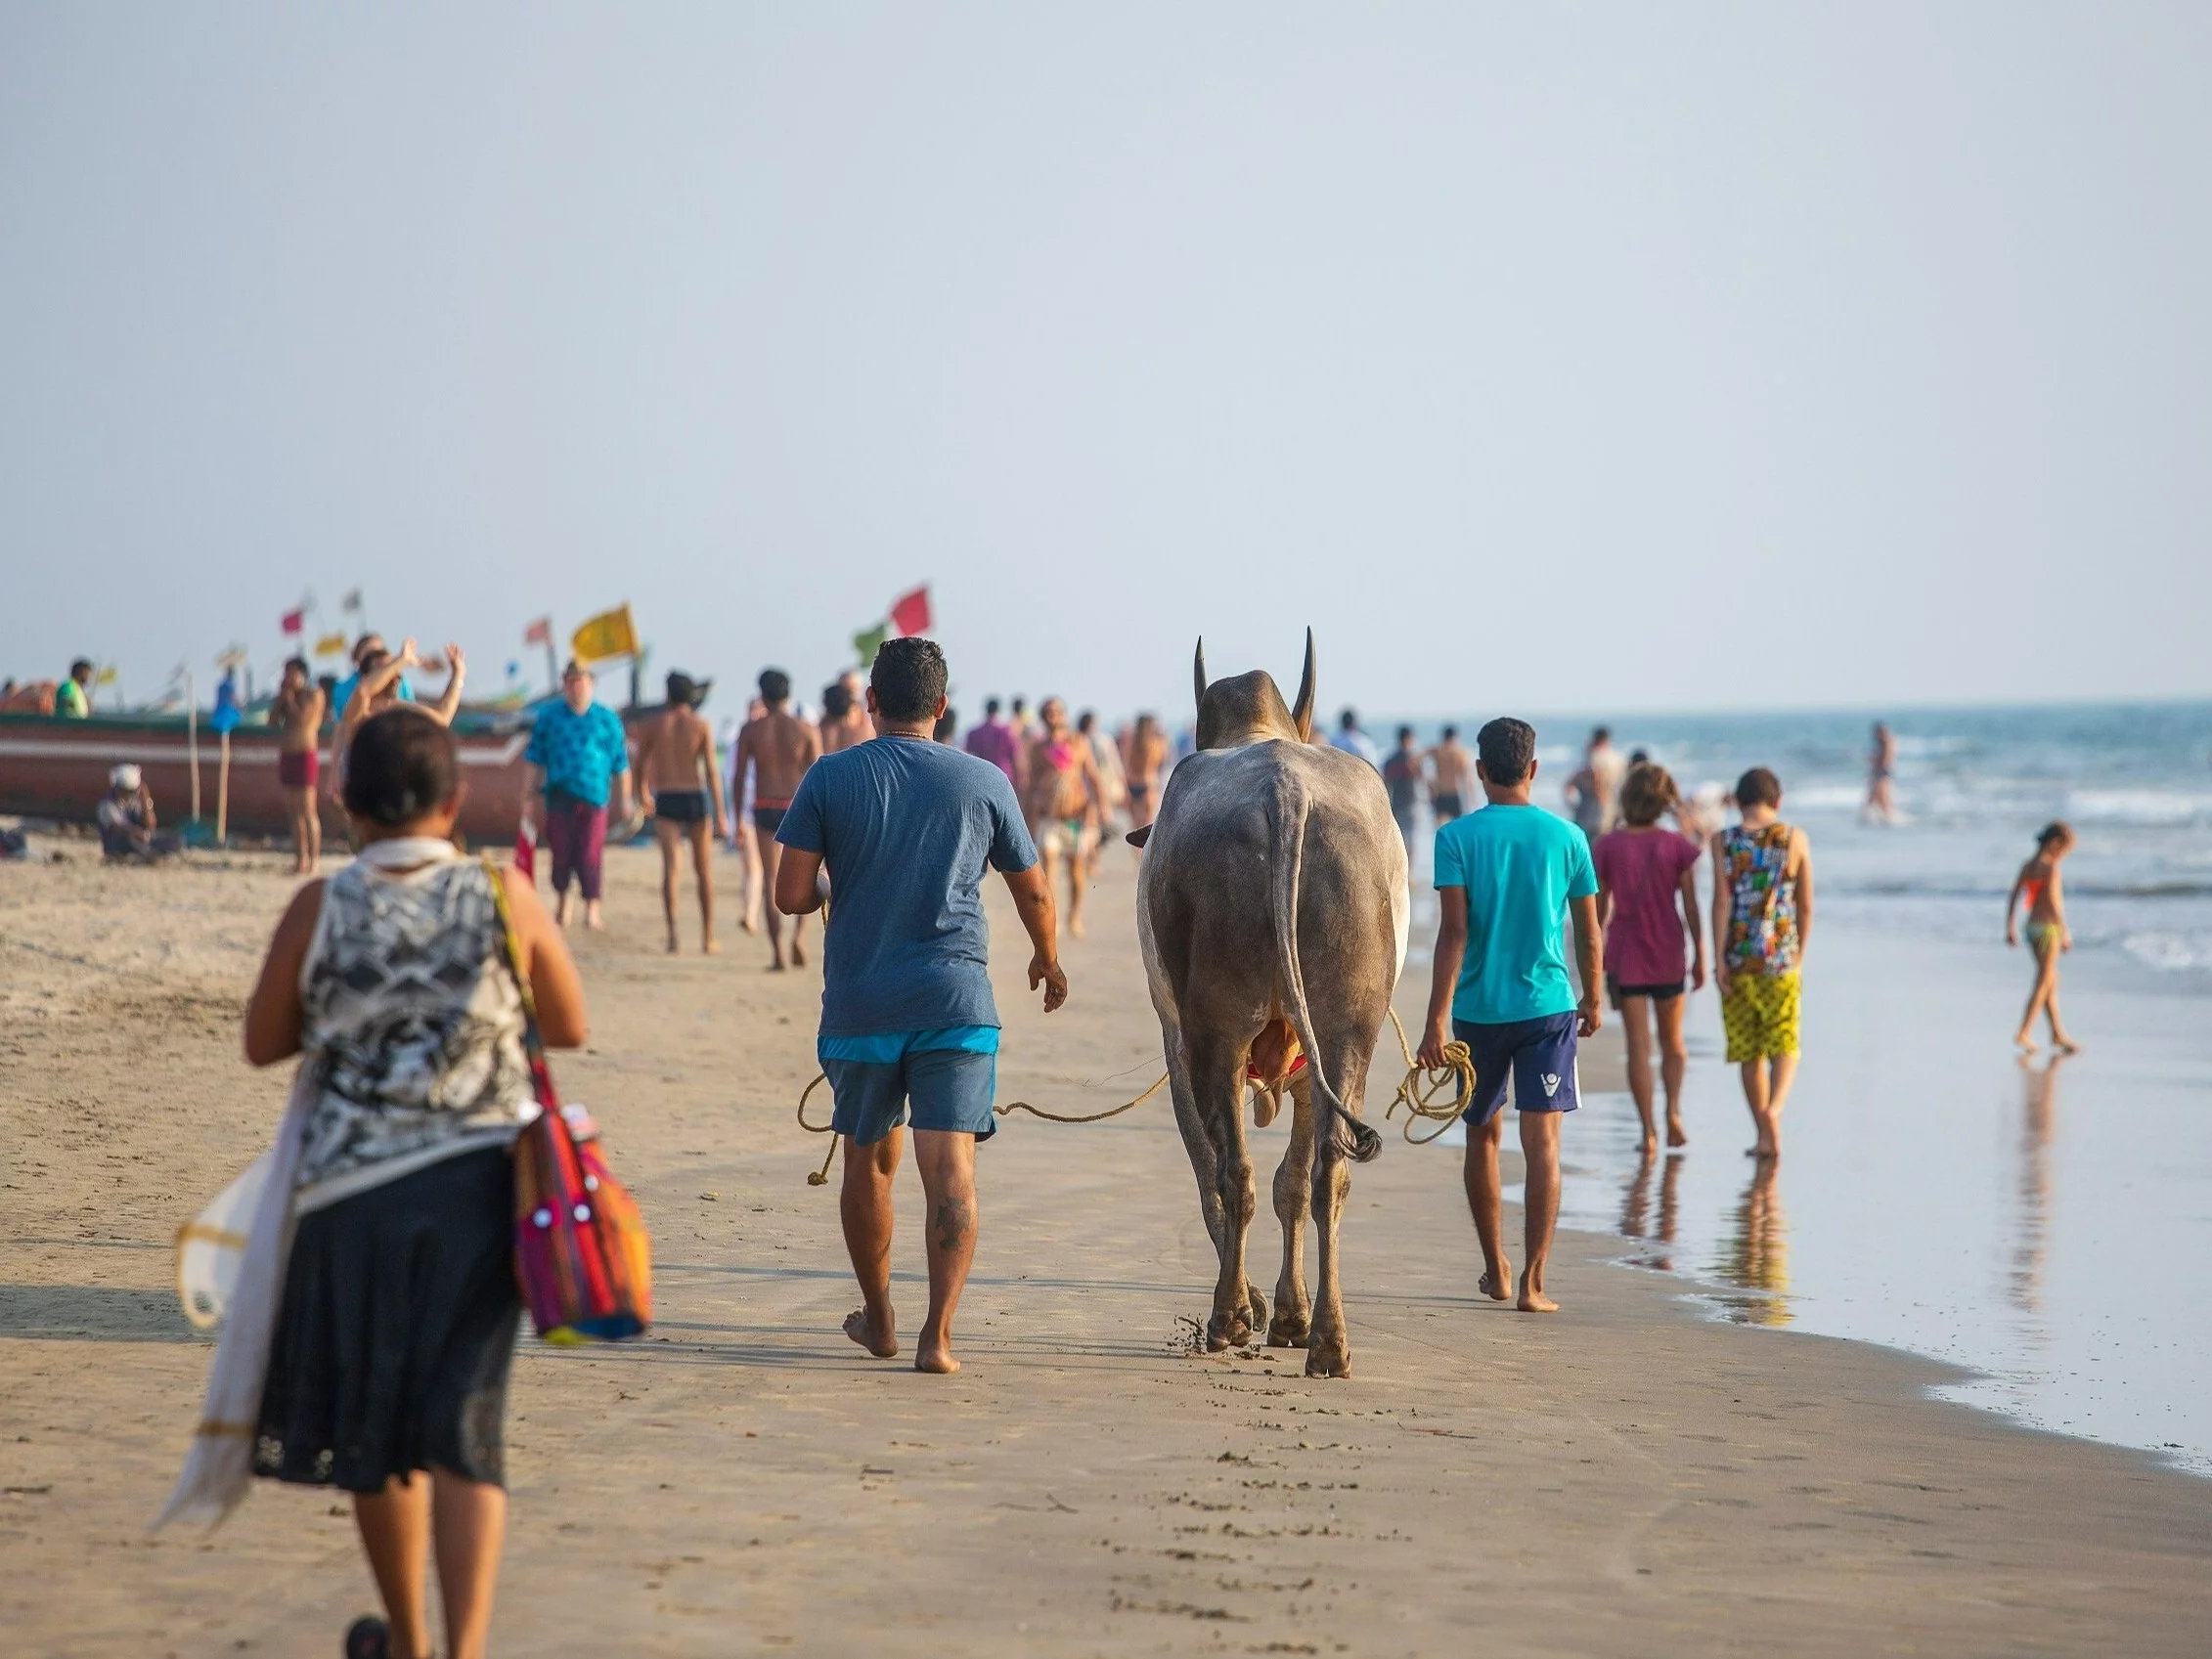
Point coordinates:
[[681, 787], [1451, 777], [780, 747], [844, 721], [1066, 802], [1762, 914], [1352, 741], [1881, 771], [1143, 761], [297, 714], [997, 741], [1593, 794], [1402, 776], [2037, 886]]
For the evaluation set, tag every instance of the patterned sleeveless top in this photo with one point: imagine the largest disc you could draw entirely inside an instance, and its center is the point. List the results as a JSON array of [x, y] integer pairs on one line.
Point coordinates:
[[1762, 919], [414, 1022]]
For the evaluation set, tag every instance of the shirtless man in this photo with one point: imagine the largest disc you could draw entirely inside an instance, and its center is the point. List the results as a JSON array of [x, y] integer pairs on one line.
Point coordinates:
[[1066, 802], [299, 711], [780, 747], [743, 841], [844, 718], [674, 755], [1451, 776]]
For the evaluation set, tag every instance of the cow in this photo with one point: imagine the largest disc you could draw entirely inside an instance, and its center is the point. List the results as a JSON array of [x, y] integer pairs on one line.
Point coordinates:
[[1272, 911]]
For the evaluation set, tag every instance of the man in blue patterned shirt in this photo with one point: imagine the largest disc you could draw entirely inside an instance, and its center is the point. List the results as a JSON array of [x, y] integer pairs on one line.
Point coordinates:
[[577, 756]]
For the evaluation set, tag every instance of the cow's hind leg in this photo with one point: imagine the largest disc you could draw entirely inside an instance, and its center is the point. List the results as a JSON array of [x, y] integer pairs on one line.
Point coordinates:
[[1217, 1073], [1328, 1350], [1294, 1316]]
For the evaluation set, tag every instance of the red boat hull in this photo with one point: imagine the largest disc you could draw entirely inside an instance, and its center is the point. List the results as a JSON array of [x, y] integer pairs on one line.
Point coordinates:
[[57, 769]]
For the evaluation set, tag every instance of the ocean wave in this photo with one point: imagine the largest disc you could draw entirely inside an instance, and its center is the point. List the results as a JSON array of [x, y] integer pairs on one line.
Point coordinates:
[[1919, 887], [2172, 953], [2153, 806]]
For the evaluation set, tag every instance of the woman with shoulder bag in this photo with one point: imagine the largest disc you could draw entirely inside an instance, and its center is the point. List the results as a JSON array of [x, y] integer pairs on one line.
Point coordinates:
[[397, 1320]]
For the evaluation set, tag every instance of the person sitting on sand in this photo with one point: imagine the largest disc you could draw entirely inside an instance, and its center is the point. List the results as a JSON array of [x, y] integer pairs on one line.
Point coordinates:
[[906, 828], [678, 780], [779, 747], [1762, 914], [2038, 887], [1504, 877], [297, 713], [386, 1376], [129, 831], [1647, 901]]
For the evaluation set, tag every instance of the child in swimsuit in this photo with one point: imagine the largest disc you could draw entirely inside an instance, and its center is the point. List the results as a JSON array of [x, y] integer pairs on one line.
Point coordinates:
[[2037, 886]]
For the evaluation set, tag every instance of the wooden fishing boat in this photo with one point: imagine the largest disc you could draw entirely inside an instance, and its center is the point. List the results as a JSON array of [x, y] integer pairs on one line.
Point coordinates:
[[57, 769]]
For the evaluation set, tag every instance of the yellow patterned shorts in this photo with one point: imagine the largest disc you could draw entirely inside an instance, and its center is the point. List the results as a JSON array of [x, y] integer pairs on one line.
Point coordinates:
[[1761, 1016]]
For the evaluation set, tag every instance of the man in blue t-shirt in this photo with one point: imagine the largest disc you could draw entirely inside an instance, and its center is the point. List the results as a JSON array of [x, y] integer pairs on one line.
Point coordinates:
[[907, 827], [1505, 876]]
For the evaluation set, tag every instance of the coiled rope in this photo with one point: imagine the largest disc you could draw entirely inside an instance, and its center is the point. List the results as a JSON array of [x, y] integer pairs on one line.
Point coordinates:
[[1421, 1092]]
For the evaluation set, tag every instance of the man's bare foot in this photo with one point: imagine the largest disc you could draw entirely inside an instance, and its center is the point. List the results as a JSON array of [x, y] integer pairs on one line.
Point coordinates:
[[1676, 1135], [1535, 1302], [1075, 927], [673, 945], [884, 1344], [2024, 1043], [750, 926], [1500, 1289], [594, 917], [798, 954], [2065, 1046], [776, 967], [708, 948], [1651, 1145], [936, 1358]]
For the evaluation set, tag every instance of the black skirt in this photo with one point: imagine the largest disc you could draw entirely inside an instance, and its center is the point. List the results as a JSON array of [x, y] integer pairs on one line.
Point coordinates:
[[397, 1331]]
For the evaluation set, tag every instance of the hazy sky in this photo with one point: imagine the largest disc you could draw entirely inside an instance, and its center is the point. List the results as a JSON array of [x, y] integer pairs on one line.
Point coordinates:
[[1539, 356]]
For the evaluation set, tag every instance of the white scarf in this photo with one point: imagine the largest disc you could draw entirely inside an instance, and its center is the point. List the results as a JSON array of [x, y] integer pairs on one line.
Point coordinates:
[[218, 1471]]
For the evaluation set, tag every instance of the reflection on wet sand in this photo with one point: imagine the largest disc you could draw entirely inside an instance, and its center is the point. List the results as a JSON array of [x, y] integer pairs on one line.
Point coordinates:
[[1755, 1258], [1635, 1209], [2039, 1091]]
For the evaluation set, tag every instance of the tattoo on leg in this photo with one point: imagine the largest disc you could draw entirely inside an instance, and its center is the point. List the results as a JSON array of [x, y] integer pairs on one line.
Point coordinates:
[[955, 1218]]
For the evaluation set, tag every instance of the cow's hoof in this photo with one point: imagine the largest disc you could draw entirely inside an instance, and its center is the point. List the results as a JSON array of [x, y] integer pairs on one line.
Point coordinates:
[[1328, 1362], [1224, 1333], [1256, 1307], [1288, 1333]]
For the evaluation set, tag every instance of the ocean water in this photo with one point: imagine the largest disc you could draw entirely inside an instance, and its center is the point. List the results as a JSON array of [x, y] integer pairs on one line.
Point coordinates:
[[2043, 1224]]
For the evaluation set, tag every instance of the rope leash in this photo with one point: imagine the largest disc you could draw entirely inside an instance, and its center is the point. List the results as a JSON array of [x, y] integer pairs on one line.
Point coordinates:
[[820, 1177], [1421, 1092]]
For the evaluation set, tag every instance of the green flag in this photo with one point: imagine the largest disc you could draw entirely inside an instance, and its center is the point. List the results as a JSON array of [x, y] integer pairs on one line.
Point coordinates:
[[870, 640]]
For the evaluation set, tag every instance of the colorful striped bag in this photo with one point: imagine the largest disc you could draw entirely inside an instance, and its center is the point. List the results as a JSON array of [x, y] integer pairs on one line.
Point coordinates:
[[581, 1254]]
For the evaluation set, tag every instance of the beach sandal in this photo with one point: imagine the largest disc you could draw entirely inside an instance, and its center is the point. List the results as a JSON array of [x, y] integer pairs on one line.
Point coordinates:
[[369, 1638]]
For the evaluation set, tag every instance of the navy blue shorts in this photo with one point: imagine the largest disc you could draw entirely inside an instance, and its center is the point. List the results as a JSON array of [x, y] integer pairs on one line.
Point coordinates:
[[1538, 1055], [946, 1087]]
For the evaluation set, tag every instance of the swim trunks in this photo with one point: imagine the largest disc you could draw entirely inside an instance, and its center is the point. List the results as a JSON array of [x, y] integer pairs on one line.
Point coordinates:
[[2043, 937], [1538, 1055], [1068, 837], [680, 805], [768, 819], [1760, 1014], [298, 769], [947, 1077], [1447, 806]]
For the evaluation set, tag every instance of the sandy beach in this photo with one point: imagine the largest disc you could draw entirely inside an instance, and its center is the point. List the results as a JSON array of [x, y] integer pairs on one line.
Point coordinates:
[[1626, 1478]]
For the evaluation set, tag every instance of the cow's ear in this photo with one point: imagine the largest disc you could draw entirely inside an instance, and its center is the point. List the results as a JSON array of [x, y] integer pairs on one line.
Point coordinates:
[[1139, 837]]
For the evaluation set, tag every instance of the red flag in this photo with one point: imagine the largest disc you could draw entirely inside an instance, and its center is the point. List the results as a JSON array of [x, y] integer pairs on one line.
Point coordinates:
[[909, 612], [526, 855], [539, 632], [292, 622]]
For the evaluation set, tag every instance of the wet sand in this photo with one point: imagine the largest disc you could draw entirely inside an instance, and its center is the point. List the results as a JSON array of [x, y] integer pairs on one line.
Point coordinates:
[[1626, 1477]]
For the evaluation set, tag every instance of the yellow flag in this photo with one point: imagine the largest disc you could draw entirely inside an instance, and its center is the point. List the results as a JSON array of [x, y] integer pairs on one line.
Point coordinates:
[[108, 677], [330, 645], [610, 634]]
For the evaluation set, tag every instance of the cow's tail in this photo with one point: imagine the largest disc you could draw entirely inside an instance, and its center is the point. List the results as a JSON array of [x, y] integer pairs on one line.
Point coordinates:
[[1292, 806]]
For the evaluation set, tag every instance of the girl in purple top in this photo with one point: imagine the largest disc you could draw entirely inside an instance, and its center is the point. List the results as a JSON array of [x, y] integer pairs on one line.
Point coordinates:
[[1647, 901]]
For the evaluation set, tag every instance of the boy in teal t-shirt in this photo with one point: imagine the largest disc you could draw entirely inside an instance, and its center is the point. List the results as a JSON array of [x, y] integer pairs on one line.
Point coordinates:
[[1506, 877]]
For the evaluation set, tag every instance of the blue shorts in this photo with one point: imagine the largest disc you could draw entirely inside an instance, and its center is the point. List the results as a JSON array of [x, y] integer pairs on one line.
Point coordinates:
[[947, 1077], [1538, 1055]]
